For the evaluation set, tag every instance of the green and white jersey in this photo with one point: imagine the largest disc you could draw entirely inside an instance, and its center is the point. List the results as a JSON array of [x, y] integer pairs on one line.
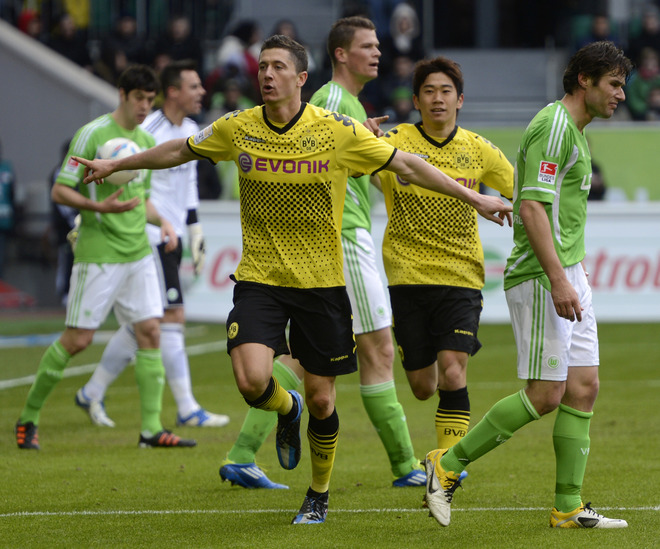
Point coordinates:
[[357, 207], [553, 166], [113, 237]]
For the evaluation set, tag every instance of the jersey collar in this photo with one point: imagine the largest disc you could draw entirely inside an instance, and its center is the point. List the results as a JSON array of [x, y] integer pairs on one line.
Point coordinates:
[[433, 141], [289, 125]]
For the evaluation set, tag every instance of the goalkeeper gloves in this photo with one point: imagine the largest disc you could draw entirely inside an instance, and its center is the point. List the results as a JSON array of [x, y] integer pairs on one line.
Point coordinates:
[[197, 248], [72, 235]]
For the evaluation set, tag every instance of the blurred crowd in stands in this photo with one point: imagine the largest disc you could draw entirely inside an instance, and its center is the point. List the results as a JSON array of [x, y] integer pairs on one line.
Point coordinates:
[[105, 37]]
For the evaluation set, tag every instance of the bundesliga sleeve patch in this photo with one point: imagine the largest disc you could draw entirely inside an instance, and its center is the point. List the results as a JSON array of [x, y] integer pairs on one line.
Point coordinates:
[[71, 166], [204, 134], [548, 172]]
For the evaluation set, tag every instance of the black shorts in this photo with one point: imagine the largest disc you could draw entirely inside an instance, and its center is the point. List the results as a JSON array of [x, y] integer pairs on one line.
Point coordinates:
[[321, 325], [430, 319], [169, 274]]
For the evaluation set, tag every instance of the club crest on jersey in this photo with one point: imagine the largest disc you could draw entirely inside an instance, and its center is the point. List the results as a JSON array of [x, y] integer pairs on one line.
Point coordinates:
[[204, 134], [463, 160], [548, 172], [308, 143]]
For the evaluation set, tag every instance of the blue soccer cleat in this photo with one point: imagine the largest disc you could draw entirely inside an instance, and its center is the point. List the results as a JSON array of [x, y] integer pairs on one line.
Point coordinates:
[[247, 475]]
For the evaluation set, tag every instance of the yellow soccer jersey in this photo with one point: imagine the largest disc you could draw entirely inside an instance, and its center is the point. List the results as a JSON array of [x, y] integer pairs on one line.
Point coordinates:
[[432, 238], [292, 182]]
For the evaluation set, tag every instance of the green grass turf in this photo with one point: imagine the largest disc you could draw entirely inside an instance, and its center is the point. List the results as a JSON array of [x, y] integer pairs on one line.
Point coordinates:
[[92, 486]]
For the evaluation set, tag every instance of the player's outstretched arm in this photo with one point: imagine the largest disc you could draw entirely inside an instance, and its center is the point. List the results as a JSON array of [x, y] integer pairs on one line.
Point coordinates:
[[166, 155], [415, 170]]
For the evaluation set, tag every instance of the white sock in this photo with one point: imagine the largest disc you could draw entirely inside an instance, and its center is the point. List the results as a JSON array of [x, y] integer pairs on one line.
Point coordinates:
[[117, 354], [177, 370]]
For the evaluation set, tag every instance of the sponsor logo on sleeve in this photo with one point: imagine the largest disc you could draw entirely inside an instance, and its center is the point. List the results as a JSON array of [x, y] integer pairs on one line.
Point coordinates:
[[548, 172], [204, 134], [71, 166]]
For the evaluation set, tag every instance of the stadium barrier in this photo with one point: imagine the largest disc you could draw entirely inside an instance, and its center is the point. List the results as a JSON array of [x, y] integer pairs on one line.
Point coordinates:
[[623, 261]]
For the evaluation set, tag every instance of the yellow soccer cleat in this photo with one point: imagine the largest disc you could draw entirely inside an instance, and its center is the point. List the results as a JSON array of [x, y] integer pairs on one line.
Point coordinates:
[[583, 517], [440, 487]]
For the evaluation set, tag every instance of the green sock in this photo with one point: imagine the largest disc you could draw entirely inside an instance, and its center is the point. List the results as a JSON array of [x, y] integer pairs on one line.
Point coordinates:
[[386, 415], [571, 441], [259, 423], [497, 426], [49, 373], [150, 377]]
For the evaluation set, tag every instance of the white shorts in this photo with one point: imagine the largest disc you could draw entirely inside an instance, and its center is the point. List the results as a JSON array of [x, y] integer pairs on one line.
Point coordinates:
[[132, 288], [547, 344], [371, 308]]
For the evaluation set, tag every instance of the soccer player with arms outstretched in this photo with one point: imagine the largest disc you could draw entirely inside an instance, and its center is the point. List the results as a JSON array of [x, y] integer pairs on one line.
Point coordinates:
[[548, 295], [353, 48], [293, 161], [113, 264]]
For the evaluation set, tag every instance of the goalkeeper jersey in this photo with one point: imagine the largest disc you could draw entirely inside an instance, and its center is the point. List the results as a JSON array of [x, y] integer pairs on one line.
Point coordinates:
[[292, 183], [111, 237], [553, 166], [357, 206], [433, 238]]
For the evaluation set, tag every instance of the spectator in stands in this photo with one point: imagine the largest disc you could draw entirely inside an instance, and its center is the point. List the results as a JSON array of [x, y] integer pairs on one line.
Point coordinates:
[[649, 36], [7, 182], [123, 47], [68, 40], [600, 30], [178, 43], [653, 102], [598, 188], [237, 58], [401, 109], [288, 28], [404, 38], [643, 81], [29, 22]]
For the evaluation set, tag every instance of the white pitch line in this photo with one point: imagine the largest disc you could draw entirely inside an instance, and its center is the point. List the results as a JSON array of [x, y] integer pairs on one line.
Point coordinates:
[[266, 511], [73, 371]]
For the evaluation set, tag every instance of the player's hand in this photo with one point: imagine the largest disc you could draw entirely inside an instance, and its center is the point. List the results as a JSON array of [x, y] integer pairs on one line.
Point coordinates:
[[493, 208], [197, 247], [373, 124], [168, 235], [72, 235], [95, 170], [566, 300], [112, 204]]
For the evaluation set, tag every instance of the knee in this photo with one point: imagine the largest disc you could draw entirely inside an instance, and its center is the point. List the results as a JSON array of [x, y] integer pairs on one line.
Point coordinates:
[[147, 334], [547, 401], [422, 389], [320, 405], [76, 341]]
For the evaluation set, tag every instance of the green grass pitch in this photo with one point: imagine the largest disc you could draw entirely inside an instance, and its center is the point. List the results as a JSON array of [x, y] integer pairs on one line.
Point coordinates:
[[92, 487]]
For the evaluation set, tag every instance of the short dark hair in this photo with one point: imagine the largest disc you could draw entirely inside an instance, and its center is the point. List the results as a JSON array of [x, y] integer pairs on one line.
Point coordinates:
[[594, 61], [342, 33], [171, 74], [297, 51], [425, 67], [138, 77]]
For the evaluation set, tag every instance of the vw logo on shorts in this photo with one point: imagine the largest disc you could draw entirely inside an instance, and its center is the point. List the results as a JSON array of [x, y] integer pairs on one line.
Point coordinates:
[[553, 362], [245, 162], [172, 294]]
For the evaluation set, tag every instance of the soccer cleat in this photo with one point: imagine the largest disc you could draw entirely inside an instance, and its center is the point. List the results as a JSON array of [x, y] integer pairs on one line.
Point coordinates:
[[247, 475], [165, 439], [95, 409], [287, 439], [440, 487], [416, 477], [202, 418], [583, 517], [27, 436], [314, 509]]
